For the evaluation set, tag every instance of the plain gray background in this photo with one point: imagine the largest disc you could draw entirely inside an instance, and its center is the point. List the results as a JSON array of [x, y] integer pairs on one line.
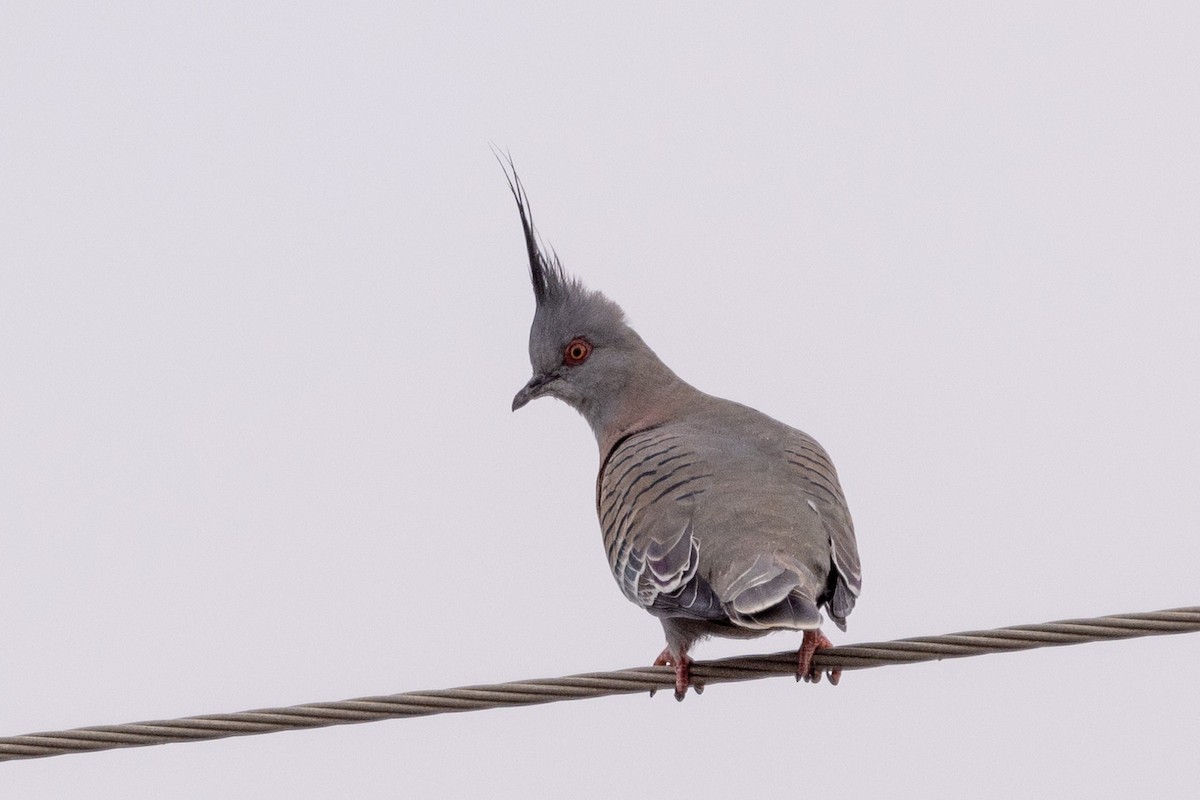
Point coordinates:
[[264, 304]]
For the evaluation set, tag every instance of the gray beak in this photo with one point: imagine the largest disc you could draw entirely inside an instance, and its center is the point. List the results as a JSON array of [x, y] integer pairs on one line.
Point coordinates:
[[532, 390]]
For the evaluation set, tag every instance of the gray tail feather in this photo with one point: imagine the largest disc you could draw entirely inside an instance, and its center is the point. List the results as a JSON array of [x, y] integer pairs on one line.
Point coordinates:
[[841, 604], [794, 611]]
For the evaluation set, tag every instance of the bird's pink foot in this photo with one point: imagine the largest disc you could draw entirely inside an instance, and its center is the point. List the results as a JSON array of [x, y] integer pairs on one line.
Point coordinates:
[[682, 672], [814, 641]]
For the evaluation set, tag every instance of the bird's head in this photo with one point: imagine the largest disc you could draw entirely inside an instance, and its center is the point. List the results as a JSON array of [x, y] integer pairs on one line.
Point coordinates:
[[581, 349]]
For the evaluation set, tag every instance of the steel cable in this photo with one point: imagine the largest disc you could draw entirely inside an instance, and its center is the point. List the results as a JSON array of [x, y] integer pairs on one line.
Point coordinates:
[[596, 684]]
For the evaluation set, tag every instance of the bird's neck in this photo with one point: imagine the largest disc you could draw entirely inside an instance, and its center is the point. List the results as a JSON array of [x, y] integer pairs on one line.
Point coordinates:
[[653, 397]]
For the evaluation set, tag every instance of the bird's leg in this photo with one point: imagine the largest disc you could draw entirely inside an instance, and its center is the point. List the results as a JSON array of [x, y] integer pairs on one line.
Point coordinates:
[[682, 666], [814, 640]]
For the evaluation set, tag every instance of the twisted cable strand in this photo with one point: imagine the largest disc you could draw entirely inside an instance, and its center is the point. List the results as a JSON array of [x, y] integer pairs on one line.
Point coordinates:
[[596, 684]]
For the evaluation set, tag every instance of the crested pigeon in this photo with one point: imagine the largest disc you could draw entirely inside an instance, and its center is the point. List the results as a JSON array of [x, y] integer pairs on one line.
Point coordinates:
[[716, 518]]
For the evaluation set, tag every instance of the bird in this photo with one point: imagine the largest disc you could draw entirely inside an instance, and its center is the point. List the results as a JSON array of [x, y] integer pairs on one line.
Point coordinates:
[[716, 518]]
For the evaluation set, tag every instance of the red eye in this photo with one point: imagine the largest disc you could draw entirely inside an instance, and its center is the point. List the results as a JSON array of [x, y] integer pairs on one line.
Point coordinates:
[[576, 352]]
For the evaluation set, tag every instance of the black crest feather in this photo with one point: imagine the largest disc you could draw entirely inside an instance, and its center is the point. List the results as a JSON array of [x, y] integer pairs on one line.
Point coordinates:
[[549, 280]]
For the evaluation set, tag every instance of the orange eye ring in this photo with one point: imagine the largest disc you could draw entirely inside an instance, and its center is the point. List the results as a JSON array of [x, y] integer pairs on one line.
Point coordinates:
[[577, 352]]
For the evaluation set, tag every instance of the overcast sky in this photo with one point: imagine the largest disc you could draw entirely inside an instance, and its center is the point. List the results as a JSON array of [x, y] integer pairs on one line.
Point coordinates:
[[264, 306]]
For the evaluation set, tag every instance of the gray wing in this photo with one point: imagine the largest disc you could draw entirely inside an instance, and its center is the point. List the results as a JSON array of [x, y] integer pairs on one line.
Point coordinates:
[[644, 498], [818, 477]]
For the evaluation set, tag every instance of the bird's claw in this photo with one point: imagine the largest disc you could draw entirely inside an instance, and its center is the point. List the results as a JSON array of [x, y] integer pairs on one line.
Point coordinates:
[[814, 641], [682, 673]]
